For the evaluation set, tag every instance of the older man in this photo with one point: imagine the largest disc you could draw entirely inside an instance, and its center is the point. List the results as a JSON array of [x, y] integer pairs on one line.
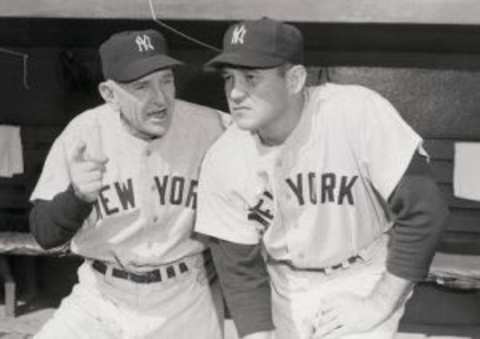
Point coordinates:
[[120, 184]]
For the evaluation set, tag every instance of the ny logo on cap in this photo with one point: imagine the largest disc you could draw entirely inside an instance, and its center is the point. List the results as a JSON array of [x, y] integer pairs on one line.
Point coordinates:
[[144, 43], [238, 35]]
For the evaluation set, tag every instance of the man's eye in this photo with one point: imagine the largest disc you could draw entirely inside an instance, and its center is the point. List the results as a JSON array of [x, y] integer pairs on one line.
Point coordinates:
[[139, 86], [251, 77], [226, 77]]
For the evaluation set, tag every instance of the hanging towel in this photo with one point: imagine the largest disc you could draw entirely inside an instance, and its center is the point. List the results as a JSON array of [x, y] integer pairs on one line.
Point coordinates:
[[466, 171], [11, 153]]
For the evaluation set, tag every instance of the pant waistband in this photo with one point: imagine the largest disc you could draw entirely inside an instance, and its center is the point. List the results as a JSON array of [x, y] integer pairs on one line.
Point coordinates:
[[364, 255], [326, 270], [171, 271]]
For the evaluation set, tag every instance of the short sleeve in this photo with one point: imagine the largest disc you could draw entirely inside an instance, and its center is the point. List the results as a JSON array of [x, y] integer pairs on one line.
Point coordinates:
[[55, 176], [388, 142], [222, 212]]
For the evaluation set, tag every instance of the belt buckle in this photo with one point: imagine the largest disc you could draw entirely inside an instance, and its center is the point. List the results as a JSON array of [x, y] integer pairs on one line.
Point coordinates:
[[147, 277], [133, 277], [150, 276], [153, 276], [344, 265]]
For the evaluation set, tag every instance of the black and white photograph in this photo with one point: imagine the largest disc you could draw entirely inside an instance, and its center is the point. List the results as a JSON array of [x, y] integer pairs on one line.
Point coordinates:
[[256, 169]]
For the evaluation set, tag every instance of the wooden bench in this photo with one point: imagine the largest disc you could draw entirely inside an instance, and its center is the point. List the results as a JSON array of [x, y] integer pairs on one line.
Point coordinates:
[[15, 238], [456, 263]]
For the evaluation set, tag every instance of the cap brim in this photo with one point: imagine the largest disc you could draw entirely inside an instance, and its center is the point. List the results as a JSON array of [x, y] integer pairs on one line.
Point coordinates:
[[143, 67], [245, 58]]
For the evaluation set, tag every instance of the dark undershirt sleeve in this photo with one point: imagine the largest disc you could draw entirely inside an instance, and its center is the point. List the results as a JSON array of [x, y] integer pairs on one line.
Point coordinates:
[[54, 222], [245, 284], [420, 215]]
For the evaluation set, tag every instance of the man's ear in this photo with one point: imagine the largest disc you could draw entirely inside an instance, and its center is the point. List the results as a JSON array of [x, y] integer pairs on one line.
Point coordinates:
[[107, 92], [296, 78]]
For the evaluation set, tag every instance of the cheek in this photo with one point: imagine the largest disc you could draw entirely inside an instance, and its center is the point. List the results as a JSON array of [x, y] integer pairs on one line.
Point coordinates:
[[277, 99], [169, 93], [131, 107], [227, 88], [266, 103]]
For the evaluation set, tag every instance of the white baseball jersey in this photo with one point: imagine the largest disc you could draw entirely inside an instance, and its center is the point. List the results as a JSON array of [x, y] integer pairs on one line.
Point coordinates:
[[145, 211], [314, 199]]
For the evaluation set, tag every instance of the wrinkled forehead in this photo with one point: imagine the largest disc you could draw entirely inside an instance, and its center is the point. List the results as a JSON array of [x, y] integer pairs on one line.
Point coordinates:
[[229, 69], [160, 74]]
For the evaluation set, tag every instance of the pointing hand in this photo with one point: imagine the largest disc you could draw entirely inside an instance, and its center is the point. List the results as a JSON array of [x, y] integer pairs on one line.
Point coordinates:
[[86, 172]]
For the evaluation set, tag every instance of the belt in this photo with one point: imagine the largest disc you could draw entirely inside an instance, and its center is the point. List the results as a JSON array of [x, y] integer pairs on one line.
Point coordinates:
[[325, 270], [145, 277]]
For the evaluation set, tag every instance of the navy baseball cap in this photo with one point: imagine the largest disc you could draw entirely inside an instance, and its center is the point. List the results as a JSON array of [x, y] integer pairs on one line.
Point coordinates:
[[260, 43], [130, 55]]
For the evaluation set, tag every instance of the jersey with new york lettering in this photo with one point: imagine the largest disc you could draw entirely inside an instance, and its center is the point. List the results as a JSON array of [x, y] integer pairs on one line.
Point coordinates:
[[144, 214], [319, 198]]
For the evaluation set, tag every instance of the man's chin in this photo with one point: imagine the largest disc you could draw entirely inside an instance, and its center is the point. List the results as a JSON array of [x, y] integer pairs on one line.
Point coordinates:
[[154, 132], [246, 125], [158, 132]]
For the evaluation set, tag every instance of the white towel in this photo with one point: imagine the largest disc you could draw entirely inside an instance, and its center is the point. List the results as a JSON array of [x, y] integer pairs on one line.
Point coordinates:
[[11, 153], [466, 171]]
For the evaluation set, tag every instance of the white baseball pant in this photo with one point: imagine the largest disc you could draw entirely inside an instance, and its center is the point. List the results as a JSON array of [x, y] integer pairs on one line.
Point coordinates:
[[102, 306], [296, 295]]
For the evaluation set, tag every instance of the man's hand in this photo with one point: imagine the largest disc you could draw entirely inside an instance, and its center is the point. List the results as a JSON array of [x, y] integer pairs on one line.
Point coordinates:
[[86, 173], [348, 313]]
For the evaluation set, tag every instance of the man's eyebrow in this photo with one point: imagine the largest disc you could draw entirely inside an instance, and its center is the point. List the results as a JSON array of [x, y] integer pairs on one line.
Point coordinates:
[[137, 82], [168, 75]]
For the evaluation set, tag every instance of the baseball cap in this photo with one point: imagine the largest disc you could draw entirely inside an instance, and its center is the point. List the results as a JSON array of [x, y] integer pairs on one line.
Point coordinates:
[[260, 43], [130, 55]]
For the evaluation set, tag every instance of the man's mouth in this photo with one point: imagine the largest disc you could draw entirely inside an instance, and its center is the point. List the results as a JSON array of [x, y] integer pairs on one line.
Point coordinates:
[[158, 115], [240, 109]]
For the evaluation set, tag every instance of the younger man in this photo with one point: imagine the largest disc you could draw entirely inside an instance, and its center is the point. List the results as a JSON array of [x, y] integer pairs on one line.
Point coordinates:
[[328, 184]]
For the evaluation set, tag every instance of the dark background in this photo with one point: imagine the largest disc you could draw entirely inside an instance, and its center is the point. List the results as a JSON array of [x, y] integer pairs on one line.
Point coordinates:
[[429, 72]]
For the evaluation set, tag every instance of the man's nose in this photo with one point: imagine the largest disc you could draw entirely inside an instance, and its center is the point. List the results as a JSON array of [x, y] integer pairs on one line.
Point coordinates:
[[238, 91], [157, 93]]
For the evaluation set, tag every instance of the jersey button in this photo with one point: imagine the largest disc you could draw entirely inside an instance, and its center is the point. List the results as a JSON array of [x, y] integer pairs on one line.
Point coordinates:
[[148, 152], [155, 219], [279, 163], [153, 188]]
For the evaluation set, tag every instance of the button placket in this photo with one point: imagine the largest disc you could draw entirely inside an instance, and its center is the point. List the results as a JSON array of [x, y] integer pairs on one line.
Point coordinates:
[[282, 203], [150, 186], [278, 163]]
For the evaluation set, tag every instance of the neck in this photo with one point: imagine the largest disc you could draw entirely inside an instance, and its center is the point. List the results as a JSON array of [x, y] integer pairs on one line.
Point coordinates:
[[280, 130]]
